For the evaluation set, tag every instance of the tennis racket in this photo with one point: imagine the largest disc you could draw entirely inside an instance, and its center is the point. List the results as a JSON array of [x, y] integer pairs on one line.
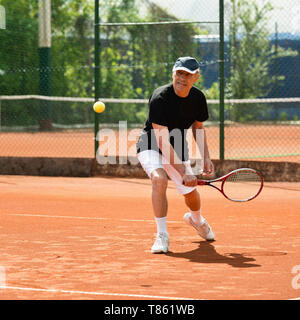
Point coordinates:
[[239, 185]]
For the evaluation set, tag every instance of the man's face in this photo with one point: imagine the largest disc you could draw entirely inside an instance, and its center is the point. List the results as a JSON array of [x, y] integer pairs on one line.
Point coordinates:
[[183, 82]]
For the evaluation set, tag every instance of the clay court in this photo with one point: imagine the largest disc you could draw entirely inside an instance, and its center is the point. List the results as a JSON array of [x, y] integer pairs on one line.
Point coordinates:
[[90, 238], [75, 228]]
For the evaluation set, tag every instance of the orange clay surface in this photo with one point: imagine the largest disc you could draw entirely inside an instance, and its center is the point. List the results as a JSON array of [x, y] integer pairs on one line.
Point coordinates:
[[270, 142], [90, 238]]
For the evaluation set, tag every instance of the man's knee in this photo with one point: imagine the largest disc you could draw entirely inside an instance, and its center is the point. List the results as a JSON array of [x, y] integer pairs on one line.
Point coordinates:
[[159, 180]]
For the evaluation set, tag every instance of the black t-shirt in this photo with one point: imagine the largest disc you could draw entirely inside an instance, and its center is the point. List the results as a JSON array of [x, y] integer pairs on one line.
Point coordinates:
[[178, 114]]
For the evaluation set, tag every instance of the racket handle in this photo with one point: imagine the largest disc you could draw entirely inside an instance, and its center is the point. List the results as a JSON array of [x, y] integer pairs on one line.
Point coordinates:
[[201, 182], [197, 182]]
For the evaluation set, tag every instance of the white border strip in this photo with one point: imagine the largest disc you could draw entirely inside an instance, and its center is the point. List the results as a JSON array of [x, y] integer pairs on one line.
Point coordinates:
[[121, 100], [72, 99], [93, 293]]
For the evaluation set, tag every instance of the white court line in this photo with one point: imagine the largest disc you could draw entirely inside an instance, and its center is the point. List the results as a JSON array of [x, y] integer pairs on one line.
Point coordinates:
[[48, 216], [101, 293], [84, 218], [93, 293]]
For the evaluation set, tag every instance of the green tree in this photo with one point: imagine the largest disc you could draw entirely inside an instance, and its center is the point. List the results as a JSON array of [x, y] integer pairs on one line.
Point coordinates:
[[251, 55], [72, 62], [71, 57], [17, 60], [134, 59]]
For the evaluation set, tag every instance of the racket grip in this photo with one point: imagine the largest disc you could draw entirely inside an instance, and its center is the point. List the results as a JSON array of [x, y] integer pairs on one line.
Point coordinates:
[[201, 182]]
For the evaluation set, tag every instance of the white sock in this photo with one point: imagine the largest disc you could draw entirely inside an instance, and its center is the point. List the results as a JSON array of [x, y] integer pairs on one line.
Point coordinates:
[[161, 224], [196, 216]]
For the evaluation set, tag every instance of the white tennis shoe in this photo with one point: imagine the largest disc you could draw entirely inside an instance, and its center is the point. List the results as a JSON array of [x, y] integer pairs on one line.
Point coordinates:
[[161, 244], [204, 230]]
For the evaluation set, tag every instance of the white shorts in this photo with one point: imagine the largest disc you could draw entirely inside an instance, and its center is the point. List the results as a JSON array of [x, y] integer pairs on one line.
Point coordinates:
[[152, 160]]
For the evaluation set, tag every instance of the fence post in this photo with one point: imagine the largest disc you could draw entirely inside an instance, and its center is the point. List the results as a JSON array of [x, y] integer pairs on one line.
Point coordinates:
[[45, 62], [221, 78], [2, 18], [96, 71]]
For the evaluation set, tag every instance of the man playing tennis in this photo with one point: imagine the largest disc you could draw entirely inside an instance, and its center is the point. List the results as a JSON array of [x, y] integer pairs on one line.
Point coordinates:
[[162, 148]]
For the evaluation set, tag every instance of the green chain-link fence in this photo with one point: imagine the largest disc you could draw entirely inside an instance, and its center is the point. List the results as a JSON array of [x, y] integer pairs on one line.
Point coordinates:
[[262, 60]]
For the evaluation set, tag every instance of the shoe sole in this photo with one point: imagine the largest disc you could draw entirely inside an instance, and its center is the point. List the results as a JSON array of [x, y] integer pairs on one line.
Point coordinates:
[[161, 251]]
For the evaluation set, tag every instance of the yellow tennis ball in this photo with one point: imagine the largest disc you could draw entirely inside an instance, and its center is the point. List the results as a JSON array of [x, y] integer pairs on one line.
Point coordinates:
[[99, 106]]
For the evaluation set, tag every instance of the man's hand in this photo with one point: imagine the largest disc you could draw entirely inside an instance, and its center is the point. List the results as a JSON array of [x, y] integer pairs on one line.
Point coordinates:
[[189, 180], [208, 167]]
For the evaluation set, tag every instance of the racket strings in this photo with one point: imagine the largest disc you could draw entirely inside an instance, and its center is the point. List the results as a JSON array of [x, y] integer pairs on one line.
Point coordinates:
[[242, 185], [243, 175]]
